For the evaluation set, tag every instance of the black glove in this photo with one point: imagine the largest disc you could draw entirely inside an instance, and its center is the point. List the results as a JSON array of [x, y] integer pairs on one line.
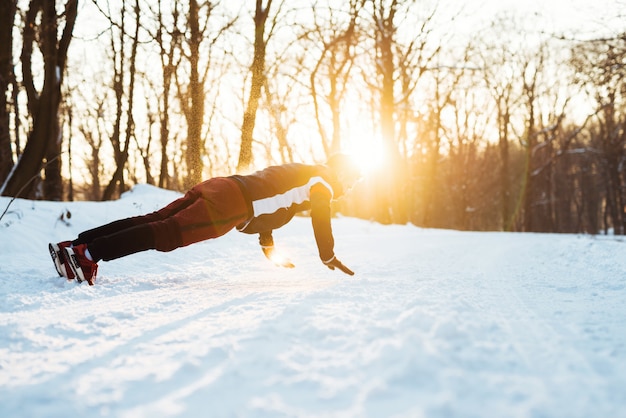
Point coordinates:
[[334, 263], [277, 259]]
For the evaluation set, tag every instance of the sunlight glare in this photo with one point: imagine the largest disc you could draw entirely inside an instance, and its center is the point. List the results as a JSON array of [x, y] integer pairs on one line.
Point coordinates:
[[280, 259], [368, 154]]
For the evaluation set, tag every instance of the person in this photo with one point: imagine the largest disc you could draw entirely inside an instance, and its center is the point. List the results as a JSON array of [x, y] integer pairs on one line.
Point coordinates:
[[256, 203]]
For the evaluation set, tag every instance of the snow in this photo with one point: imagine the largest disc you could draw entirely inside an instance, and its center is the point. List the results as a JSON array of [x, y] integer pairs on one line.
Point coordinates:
[[435, 323]]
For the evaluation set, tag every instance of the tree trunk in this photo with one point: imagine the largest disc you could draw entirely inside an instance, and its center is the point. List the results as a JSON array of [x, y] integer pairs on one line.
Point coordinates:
[[392, 198], [258, 79], [529, 197], [167, 58], [613, 201], [194, 105], [7, 17], [44, 141], [121, 154], [505, 181], [384, 55]]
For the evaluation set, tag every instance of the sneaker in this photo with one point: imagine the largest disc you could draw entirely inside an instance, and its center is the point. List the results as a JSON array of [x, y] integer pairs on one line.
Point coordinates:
[[83, 268], [57, 252]]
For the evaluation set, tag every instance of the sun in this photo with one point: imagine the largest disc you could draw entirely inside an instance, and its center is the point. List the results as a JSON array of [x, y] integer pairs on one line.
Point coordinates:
[[368, 153]]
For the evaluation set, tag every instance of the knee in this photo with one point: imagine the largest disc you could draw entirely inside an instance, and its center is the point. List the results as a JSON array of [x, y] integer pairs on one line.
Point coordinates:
[[155, 216]]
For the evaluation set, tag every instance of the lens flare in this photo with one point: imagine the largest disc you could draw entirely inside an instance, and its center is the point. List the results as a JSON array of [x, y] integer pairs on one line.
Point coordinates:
[[370, 156], [281, 259]]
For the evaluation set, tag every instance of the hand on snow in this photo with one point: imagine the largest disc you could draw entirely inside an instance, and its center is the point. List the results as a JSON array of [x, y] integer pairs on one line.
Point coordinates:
[[276, 258], [334, 263]]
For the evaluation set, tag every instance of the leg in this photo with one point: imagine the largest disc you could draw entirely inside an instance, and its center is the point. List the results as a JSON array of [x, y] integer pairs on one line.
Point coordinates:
[[130, 235], [91, 235], [122, 243], [209, 210], [111, 241], [220, 206], [219, 209], [120, 225]]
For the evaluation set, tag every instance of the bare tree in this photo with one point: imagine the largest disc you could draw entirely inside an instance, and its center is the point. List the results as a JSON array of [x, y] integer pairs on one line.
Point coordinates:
[[192, 99], [192, 79], [277, 107], [92, 129], [337, 37], [545, 112], [502, 83], [144, 149], [7, 79], [399, 64], [464, 140], [607, 67], [121, 141], [43, 148], [257, 69], [168, 41], [432, 138]]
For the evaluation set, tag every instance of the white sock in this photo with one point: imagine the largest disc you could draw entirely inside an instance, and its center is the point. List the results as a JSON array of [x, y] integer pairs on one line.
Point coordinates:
[[88, 255]]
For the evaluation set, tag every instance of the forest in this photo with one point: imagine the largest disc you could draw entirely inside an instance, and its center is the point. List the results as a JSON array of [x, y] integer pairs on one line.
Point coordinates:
[[462, 119]]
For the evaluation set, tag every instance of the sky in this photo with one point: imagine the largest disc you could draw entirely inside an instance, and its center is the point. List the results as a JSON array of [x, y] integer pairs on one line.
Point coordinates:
[[577, 16]]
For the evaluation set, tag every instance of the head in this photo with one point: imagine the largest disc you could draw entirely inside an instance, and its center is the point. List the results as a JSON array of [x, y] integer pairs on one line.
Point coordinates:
[[345, 169]]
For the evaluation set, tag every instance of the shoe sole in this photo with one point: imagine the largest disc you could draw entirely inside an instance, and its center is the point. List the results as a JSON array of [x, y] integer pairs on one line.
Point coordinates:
[[55, 254]]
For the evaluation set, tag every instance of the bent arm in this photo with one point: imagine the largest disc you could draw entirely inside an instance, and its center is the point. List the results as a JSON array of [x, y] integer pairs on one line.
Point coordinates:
[[267, 245], [266, 239]]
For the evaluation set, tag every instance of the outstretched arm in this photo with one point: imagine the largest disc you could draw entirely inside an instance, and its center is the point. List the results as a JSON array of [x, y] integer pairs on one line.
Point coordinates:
[[334, 263], [320, 217]]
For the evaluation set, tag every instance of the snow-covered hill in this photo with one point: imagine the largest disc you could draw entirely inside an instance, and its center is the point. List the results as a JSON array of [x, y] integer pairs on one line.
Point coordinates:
[[434, 323]]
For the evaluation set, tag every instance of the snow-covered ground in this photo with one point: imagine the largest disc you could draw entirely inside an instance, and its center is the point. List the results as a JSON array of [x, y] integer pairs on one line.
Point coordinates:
[[434, 323]]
